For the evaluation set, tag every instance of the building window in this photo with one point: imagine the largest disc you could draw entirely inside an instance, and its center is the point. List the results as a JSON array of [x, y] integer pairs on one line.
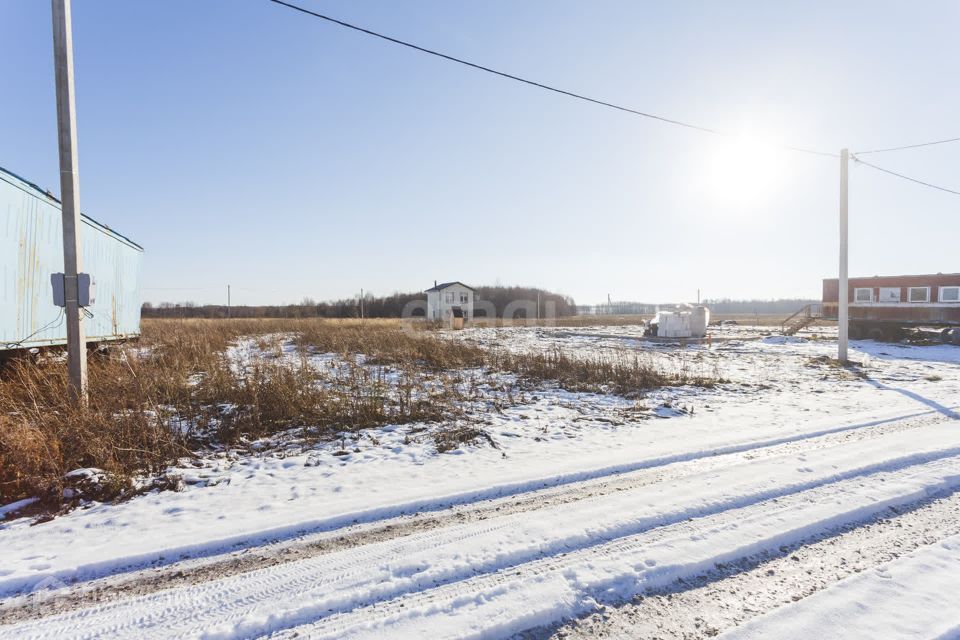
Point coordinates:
[[889, 294], [449, 296], [949, 294], [862, 295], [464, 298], [919, 294]]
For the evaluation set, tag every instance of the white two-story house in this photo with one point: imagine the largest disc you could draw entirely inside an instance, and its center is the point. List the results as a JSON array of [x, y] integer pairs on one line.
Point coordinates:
[[449, 299]]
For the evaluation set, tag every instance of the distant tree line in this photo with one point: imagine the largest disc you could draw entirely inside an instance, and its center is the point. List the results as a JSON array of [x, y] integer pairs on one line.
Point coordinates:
[[723, 306], [785, 306], [500, 297], [615, 308], [391, 306]]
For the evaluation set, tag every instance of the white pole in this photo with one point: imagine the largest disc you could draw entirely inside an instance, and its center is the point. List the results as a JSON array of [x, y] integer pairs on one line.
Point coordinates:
[[843, 291], [228, 301], [69, 197]]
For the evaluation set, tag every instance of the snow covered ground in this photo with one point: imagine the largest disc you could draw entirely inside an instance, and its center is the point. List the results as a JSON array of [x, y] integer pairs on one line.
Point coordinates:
[[586, 503], [913, 597]]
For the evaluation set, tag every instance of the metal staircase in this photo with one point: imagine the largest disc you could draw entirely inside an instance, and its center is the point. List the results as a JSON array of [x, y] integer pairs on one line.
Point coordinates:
[[801, 319]]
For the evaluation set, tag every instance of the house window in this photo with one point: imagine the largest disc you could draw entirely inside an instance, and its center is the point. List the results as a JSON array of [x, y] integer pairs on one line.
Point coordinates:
[[464, 298], [449, 296], [919, 294], [889, 294], [862, 295], [949, 294]]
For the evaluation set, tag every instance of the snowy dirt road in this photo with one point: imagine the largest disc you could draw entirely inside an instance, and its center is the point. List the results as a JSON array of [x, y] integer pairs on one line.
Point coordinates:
[[682, 527]]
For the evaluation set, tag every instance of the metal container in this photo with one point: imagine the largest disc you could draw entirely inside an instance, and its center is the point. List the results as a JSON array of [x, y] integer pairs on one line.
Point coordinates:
[[31, 249]]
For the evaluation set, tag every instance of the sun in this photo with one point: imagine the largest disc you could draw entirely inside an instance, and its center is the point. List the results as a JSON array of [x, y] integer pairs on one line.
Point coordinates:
[[743, 172]]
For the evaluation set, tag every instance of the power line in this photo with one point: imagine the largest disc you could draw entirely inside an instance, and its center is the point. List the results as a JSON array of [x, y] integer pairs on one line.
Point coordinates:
[[909, 146], [900, 175], [532, 83], [50, 325], [180, 288]]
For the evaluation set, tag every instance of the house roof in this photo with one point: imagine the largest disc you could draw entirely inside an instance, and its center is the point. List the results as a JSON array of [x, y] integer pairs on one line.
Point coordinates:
[[444, 285]]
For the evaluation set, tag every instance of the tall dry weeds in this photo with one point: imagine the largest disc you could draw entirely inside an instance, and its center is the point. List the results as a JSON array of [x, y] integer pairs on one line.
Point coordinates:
[[177, 390]]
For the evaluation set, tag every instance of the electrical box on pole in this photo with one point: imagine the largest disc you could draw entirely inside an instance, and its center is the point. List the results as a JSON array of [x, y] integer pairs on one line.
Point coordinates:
[[86, 289]]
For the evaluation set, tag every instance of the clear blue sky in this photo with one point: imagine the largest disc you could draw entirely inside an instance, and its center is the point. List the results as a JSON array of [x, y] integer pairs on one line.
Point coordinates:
[[243, 143]]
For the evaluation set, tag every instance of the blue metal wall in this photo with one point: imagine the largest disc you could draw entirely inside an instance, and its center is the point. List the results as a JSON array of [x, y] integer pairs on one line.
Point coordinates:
[[31, 248]]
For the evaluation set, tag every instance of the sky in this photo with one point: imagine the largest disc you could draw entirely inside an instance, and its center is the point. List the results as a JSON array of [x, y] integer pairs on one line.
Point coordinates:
[[243, 143]]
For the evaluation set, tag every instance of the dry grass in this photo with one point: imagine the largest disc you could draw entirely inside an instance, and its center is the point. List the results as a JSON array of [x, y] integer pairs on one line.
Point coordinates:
[[42, 435], [178, 391], [624, 373], [181, 377], [450, 439]]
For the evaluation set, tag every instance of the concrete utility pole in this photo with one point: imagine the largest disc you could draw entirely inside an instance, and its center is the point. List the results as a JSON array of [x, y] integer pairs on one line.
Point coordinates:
[[361, 304], [843, 293], [228, 301], [69, 197]]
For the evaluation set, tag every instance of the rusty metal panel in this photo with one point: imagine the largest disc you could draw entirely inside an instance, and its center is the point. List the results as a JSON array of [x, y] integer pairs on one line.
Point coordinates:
[[31, 248]]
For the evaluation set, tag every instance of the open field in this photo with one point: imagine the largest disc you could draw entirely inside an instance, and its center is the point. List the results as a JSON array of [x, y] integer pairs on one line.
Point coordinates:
[[346, 479], [750, 319], [196, 384]]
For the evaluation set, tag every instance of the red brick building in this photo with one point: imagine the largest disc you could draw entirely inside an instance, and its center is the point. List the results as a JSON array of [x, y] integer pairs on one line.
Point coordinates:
[[880, 306]]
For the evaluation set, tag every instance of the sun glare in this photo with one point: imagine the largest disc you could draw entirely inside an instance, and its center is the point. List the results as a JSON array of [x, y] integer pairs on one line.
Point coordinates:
[[743, 172]]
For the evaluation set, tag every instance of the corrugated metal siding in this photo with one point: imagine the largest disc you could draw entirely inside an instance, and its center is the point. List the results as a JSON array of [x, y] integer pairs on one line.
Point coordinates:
[[31, 248]]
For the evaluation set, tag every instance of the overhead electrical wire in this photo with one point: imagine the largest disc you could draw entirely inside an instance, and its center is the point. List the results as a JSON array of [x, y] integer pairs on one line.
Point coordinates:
[[611, 105], [908, 146], [900, 175], [180, 288], [534, 83]]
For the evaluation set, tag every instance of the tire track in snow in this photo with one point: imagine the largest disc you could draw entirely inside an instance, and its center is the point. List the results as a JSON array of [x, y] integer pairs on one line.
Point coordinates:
[[196, 571], [700, 607], [307, 590], [15, 584], [873, 604], [509, 601]]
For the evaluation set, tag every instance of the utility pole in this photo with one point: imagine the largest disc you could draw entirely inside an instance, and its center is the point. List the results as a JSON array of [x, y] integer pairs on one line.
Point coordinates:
[[69, 198], [538, 304], [361, 303], [228, 301], [843, 293]]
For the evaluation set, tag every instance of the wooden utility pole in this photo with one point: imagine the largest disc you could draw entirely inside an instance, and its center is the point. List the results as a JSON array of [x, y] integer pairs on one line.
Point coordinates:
[[843, 293], [69, 197]]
